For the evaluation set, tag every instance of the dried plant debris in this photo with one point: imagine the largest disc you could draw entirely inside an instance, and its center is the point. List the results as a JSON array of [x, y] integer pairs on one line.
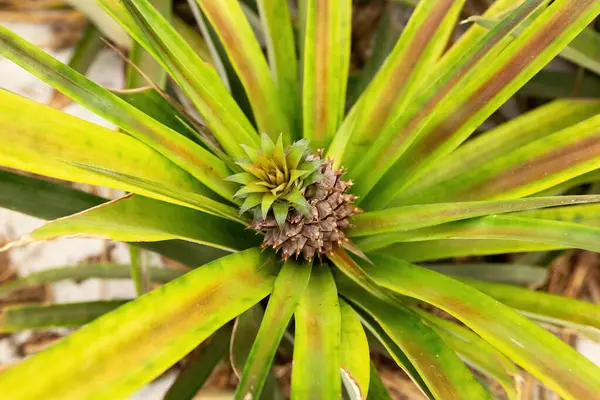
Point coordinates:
[[67, 32], [37, 342], [396, 381], [28, 295], [572, 274], [7, 272], [66, 23], [31, 4], [365, 19], [32, 294]]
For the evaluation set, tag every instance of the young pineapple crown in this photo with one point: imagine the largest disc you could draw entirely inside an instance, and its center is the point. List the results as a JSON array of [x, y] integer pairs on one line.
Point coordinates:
[[298, 200]]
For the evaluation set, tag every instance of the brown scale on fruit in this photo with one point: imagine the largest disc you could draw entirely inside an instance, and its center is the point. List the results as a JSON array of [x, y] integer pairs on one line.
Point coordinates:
[[331, 210], [299, 201]]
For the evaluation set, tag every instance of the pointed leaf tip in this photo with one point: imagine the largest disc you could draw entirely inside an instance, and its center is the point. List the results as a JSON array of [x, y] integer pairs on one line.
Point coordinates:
[[251, 152], [279, 154], [267, 202], [299, 203], [251, 201], [243, 178], [25, 240], [267, 145], [280, 210]]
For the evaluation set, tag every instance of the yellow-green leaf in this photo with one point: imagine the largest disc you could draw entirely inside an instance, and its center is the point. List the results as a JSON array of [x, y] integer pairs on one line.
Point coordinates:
[[246, 56], [326, 61], [316, 369], [140, 219], [354, 351], [149, 334], [548, 358]]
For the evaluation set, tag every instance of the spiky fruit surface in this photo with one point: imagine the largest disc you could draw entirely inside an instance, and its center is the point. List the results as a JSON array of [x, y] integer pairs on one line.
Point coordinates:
[[331, 210], [299, 201]]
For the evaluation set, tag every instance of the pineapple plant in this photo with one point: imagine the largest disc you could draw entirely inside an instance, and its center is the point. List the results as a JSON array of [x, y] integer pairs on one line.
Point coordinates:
[[299, 202], [307, 213]]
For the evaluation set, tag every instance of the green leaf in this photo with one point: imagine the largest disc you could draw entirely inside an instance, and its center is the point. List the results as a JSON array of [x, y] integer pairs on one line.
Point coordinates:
[[140, 219], [299, 202], [170, 113], [266, 203], [388, 31], [468, 39], [217, 53], [448, 248], [476, 352], [289, 287], [143, 67], [250, 64], [222, 62], [138, 270], [395, 353], [74, 315], [50, 200], [149, 334], [422, 42], [194, 38], [377, 390], [562, 188], [316, 370], [197, 161], [33, 150], [420, 216], [188, 253], [561, 234], [562, 309], [251, 188], [252, 200], [42, 198], [539, 165], [342, 260], [245, 332], [157, 105], [267, 145], [252, 153], [86, 271], [281, 211], [514, 274], [443, 372], [195, 374], [326, 62], [85, 53], [296, 151], [243, 178], [502, 141], [583, 50], [279, 156], [354, 352], [393, 142], [582, 214], [107, 26], [184, 198], [281, 50], [472, 99], [553, 362], [553, 84], [197, 79]]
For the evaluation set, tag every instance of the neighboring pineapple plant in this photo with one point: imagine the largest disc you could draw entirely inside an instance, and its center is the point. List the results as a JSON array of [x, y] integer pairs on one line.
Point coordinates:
[[264, 148]]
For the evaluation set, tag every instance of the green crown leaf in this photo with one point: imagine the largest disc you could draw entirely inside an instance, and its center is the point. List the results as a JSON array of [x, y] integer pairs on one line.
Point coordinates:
[[276, 177]]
